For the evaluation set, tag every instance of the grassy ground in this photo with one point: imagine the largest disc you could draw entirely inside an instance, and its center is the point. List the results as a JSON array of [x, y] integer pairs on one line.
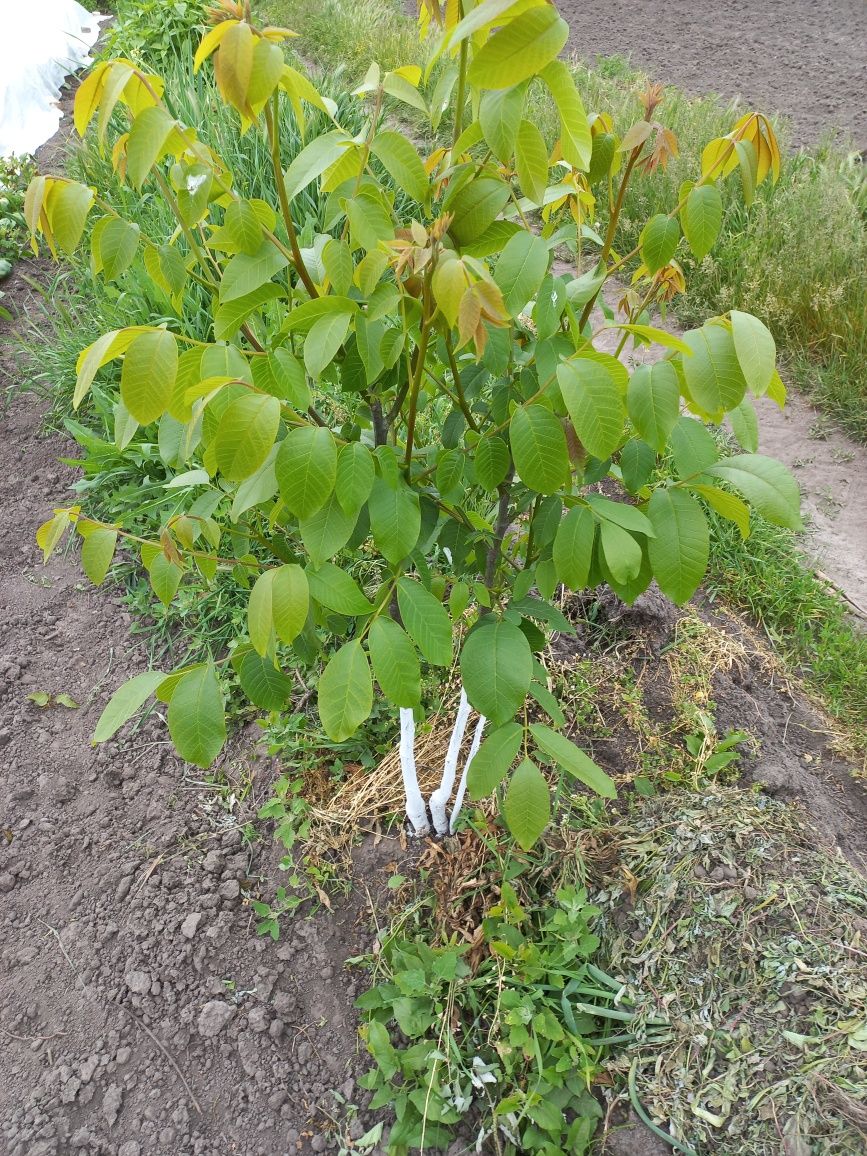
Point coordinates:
[[798, 258]]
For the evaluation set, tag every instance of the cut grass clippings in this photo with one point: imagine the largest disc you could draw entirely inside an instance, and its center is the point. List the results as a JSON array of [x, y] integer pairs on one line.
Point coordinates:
[[797, 258]]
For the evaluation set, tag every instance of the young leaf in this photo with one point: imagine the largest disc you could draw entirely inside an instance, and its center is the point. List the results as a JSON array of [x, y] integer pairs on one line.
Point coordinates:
[[148, 375], [573, 760], [653, 402], [679, 552], [327, 531], [766, 484], [345, 692], [520, 49], [573, 547], [756, 351], [355, 474], [499, 116], [496, 668], [539, 448], [713, 374], [261, 681], [659, 239], [576, 143], [126, 701], [425, 621], [196, 719], [306, 469], [475, 207], [527, 805], [323, 341], [491, 462], [402, 163], [246, 434], [279, 602], [395, 520], [336, 590], [395, 662], [97, 552], [521, 269], [594, 402], [493, 759], [246, 273], [727, 505], [701, 219], [531, 162]]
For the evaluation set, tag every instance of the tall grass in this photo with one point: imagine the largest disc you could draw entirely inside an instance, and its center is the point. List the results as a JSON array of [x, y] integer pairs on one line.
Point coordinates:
[[797, 258]]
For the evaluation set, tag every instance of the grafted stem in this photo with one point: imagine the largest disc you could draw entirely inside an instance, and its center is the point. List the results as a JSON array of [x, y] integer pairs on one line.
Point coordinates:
[[442, 794], [415, 806], [462, 786]]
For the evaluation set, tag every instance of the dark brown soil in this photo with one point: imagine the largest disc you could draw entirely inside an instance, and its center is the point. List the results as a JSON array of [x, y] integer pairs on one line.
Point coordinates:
[[804, 58]]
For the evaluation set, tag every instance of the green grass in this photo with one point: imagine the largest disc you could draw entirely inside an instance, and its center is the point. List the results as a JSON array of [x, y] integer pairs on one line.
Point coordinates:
[[808, 623], [797, 258]]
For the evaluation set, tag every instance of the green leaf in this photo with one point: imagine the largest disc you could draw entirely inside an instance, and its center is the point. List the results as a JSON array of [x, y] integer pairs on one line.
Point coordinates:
[[727, 505], [165, 577], [713, 374], [148, 375], [520, 49], [395, 520], [117, 245], [245, 274], [97, 553], [242, 226], [246, 434], [621, 552], [493, 759], [595, 404], [576, 143], [621, 513], [499, 116], [425, 621], [263, 683], [126, 701], [539, 448], [521, 269], [231, 315], [345, 692], [496, 668], [450, 474], [196, 719], [527, 805], [745, 426], [475, 207], [70, 204], [573, 547], [701, 219], [314, 159], [338, 591], [370, 224], [573, 760], [282, 375], [279, 603], [395, 662], [692, 446], [491, 462], [679, 552], [355, 474], [402, 163], [147, 143], [337, 259], [306, 469], [323, 341], [653, 402], [637, 463], [766, 484], [327, 531], [756, 351], [531, 162], [659, 239]]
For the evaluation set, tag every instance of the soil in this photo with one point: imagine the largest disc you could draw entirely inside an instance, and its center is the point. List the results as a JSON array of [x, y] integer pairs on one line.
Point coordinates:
[[140, 1014], [806, 58]]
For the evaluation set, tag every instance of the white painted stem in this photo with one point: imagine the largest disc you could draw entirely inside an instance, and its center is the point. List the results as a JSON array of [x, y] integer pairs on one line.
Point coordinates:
[[439, 799], [416, 810], [462, 788]]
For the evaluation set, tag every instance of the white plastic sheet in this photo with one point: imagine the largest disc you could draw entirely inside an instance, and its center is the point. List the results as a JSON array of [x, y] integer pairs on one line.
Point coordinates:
[[41, 43]]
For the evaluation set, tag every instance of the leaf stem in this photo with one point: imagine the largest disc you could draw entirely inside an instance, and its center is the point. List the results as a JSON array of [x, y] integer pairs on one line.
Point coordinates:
[[272, 123]]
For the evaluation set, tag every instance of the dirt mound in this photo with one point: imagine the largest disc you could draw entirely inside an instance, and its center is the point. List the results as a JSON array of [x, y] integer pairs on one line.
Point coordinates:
[[802, 57], [139, 1011]]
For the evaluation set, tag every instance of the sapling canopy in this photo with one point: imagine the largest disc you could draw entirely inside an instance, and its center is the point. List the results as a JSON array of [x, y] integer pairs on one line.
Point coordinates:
[[415, 418]]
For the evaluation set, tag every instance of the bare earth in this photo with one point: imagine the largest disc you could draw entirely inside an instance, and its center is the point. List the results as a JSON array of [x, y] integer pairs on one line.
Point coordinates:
[[805, 58]]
